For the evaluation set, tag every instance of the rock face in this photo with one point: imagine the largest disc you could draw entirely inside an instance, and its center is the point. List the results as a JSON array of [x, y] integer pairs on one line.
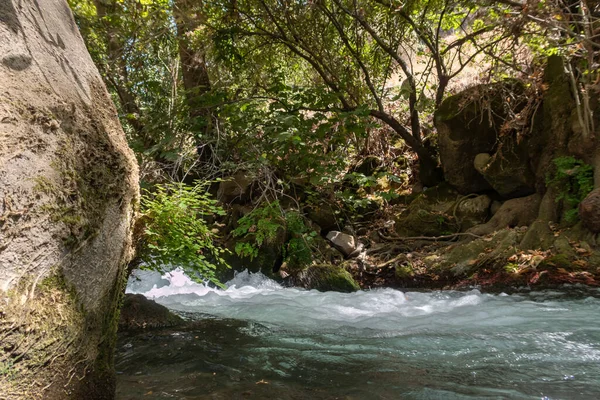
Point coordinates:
[[467, 125], [429, 214], [69, 186], [324, 215], [589, 211]]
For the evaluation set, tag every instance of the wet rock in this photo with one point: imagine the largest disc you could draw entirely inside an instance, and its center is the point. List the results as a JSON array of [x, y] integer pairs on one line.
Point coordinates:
[[589, 211], [325, 278], [345, 243], [138, 312]]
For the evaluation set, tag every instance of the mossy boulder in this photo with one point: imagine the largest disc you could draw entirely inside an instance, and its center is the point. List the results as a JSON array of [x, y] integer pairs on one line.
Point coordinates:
[[468, 124], [326, 277], [559, 261], [589, 211], [463, 259], [508, 170], [403, 272], [429, 214], [267, 261]]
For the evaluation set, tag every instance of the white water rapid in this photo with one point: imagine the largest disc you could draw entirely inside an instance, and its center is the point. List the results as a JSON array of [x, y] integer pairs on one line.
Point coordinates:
[[379, 344]]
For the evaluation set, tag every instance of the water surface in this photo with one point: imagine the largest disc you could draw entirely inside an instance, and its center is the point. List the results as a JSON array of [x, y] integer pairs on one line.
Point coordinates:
[[259, 340]]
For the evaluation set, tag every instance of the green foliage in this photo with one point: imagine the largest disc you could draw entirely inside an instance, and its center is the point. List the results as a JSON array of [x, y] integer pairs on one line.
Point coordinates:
[[574, 179], [176, 234], [260, 226], [267, 223], [298, 250]]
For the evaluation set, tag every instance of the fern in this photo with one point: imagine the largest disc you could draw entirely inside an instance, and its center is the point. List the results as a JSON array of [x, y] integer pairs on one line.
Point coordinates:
[[575, 180]]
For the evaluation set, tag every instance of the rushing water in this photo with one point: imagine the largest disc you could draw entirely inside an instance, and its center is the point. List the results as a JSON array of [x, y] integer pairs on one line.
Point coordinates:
[[257, 340]]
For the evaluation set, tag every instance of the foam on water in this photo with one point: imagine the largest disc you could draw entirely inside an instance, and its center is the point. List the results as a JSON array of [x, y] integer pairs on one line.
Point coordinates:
[[255, 297], [440, 344]]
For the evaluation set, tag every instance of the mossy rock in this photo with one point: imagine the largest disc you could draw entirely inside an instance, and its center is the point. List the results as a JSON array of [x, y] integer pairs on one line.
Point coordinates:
[[463, 259], [429, 214], [325, 278], [559, 261], [467, 125], [267, 261], [404, 272]]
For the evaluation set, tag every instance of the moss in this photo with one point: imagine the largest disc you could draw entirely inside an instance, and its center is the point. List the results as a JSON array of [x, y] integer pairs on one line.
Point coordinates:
[[328, 277], [38, 318], [559, 261], [404, 272], [89, 177]]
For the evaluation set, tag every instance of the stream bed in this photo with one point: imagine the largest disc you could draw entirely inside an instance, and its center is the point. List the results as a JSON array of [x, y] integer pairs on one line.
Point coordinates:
[[258, 340]]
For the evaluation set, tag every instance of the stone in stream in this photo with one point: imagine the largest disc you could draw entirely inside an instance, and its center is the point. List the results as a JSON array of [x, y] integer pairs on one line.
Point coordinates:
[[138, 312], [324, 278]]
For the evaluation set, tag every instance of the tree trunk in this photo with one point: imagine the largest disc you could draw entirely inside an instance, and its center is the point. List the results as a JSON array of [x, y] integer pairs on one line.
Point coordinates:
[[196, 80], [68, 187]]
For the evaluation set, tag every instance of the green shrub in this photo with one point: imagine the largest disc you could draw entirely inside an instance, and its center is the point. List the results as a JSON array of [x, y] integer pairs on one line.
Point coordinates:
[[261, 226], [176, 235], [575, 180]]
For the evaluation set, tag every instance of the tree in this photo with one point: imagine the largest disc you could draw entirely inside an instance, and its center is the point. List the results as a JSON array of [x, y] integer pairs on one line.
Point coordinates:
[[354, 49]]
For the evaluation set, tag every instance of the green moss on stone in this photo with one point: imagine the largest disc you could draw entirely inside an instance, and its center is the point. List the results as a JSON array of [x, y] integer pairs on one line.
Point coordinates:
[[404, 272], [328, 277], [559, 261]]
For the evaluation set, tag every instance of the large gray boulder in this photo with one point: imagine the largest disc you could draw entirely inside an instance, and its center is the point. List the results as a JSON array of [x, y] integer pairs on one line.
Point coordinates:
[[508, 171], [69, 185], [589, 211], [468, 124]]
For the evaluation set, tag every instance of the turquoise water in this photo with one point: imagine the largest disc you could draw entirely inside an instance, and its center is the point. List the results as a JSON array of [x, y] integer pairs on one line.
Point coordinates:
[[259, 340]]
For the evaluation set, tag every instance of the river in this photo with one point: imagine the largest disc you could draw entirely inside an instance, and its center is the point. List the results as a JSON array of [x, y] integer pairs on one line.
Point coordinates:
[[258, 340]]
